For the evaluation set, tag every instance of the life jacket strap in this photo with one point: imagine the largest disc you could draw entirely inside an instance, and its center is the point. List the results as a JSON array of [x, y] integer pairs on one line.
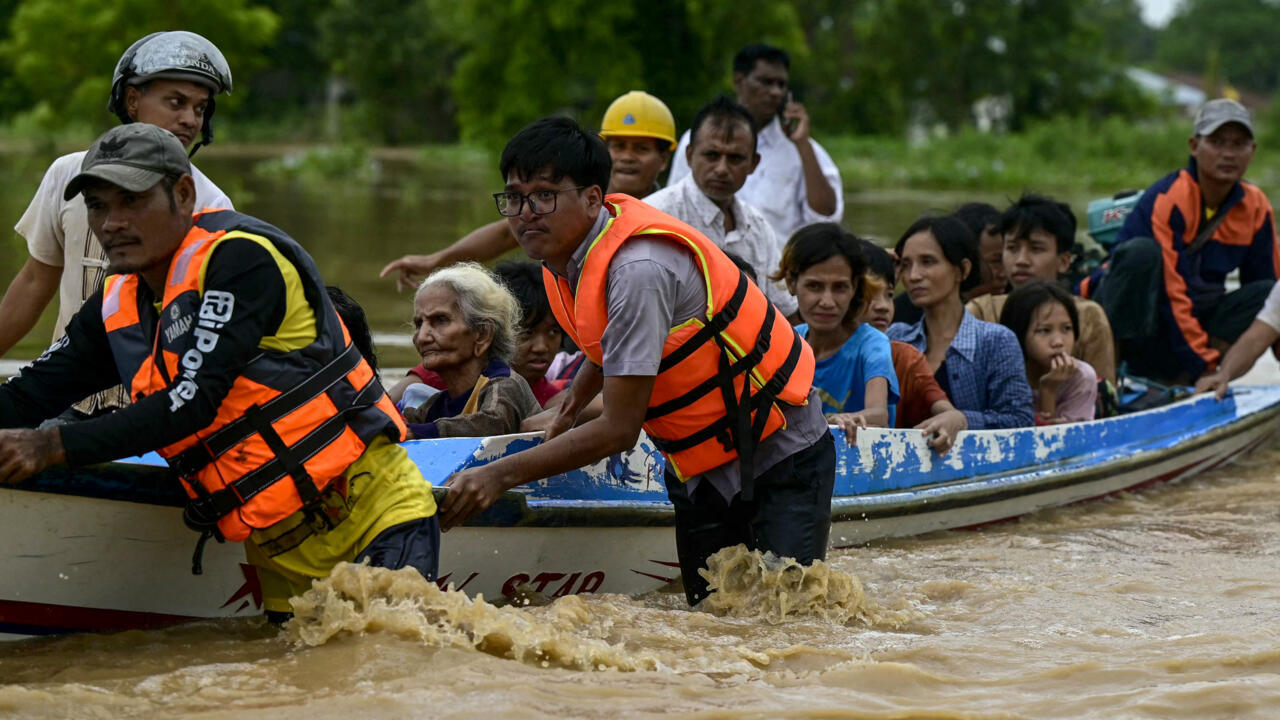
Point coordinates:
[[219, 503], [727, 372], [302, 480], [193, 517], [711, 331], [195, 458], [728, 430]]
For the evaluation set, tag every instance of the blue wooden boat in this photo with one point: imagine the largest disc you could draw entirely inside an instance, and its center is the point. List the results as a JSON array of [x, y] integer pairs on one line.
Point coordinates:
[[105, 548]]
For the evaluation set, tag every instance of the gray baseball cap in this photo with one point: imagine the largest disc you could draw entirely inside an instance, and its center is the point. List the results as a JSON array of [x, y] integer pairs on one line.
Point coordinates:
[[134, 156], [1216, 113]]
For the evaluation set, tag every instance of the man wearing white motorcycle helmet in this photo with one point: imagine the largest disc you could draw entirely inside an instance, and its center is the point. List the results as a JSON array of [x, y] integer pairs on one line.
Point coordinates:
[[167, 79]]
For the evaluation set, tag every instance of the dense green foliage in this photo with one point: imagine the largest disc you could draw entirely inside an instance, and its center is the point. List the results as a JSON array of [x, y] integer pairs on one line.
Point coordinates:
[[415, 71], [59, 54], [895, 62], [1234, 42]]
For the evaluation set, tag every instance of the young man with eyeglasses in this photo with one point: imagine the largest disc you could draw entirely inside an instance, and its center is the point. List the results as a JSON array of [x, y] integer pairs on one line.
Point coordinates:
[[1164, 285], [682, 344]]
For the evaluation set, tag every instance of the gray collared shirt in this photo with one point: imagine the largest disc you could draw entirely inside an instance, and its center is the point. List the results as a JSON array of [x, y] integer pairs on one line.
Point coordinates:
[[653, 286]]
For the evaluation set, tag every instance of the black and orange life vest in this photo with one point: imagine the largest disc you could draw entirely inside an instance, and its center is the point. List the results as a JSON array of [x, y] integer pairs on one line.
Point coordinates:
[[292, 421], [723, 374]]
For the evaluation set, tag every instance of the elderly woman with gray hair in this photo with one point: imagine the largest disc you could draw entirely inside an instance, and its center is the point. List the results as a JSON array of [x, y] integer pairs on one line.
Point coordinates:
[[465, 325]]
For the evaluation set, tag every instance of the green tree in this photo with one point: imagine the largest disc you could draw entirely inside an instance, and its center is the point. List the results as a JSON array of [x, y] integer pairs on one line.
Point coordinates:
[[62, 52], [291, 83], [1244, 33], [524, 60], [396, 60], [881, 65]]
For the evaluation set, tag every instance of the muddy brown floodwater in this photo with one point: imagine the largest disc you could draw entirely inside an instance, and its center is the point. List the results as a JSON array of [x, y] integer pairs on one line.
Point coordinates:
[[1158, 604]]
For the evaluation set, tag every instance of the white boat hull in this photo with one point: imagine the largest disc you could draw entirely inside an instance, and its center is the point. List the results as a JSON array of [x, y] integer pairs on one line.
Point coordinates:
[[77, 559]]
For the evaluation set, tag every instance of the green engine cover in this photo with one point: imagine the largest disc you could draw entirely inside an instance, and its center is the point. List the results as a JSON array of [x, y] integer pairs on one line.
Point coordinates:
[[1107, 215]]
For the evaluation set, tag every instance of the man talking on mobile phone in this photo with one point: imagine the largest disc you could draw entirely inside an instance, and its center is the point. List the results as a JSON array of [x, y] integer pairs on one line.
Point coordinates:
[[796, 182]]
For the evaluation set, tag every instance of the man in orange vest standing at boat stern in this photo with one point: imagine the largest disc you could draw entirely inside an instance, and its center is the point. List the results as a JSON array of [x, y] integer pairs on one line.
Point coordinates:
[[242, 377], [682, 344]]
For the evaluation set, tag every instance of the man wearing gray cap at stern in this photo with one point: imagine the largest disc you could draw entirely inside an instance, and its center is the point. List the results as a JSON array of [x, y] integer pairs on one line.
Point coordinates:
[[1164, 286], [169, 79], [241, 375]]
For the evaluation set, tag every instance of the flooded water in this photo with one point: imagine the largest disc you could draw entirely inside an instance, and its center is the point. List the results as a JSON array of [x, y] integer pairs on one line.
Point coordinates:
[[1158, 604]]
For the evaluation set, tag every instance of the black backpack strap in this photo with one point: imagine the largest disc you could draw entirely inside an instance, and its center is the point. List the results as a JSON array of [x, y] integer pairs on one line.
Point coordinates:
[[1206, 233], [194, 459], [205, 510]]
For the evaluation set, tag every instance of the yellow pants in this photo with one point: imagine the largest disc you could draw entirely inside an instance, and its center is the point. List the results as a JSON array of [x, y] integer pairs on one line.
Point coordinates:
[[385, 489]]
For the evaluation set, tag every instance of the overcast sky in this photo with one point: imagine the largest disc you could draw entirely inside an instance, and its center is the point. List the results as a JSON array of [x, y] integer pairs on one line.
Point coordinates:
[[1157, 12]]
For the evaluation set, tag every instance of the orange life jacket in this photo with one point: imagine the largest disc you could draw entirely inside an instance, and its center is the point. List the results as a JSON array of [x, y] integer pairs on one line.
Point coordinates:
[[702, 413], [292, 421]]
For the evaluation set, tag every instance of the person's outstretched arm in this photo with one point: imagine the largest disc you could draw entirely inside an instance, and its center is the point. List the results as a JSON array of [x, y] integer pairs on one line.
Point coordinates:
[[1239, 359], [482, 244], [626, 399]]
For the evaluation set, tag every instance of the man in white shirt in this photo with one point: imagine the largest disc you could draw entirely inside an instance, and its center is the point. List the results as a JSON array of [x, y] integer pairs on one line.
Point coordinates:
[[796, 183], [167, 79], [722, 155]]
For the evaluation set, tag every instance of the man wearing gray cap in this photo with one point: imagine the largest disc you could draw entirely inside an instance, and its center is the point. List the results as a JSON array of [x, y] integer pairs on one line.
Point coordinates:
[[1164, 285], [242, 377], [170, 79]]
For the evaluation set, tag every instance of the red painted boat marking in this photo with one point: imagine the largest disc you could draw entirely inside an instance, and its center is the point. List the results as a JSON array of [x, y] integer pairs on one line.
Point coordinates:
[[251, 587], [655, 577], [74, 618]]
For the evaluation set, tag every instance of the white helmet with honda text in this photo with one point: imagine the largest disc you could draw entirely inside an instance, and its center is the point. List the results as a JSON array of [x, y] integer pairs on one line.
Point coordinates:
[[173, 55]]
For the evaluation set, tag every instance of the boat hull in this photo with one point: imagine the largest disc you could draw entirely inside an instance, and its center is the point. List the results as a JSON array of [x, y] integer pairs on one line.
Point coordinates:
[[106, 549]]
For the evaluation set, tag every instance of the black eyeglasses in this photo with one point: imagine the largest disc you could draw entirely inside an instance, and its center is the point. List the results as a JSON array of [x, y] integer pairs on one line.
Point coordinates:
[[541, 202]]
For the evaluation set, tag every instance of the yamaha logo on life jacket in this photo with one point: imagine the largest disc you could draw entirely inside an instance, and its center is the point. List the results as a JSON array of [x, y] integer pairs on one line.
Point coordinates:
[[215, 311]]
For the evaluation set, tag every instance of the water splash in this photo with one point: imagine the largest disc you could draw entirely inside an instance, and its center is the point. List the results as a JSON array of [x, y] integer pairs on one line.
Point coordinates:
[[358, 599], [752, 584]]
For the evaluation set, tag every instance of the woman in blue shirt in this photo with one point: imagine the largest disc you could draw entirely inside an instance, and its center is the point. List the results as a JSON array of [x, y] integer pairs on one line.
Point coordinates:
[[824, 268], [978, 364]]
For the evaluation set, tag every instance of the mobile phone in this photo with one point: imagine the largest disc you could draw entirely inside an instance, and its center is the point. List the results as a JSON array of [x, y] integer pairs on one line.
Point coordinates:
[[787, 125]]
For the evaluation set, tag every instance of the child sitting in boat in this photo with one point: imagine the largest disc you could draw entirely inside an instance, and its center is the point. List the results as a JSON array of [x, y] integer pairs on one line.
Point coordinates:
[[540, 335], [978, 364], [922, 404], [823, 267], [465, 325], [1045, 319]]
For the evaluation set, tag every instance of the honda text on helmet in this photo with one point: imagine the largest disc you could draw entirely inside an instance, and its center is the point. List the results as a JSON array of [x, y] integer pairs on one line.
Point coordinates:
[[173, 55]]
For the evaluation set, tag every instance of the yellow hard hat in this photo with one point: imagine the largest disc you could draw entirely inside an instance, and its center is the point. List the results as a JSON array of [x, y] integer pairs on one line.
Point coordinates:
[[639, 114]]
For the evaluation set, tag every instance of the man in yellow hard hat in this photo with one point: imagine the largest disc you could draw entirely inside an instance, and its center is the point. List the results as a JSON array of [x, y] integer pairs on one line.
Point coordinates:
[[639, 131]]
